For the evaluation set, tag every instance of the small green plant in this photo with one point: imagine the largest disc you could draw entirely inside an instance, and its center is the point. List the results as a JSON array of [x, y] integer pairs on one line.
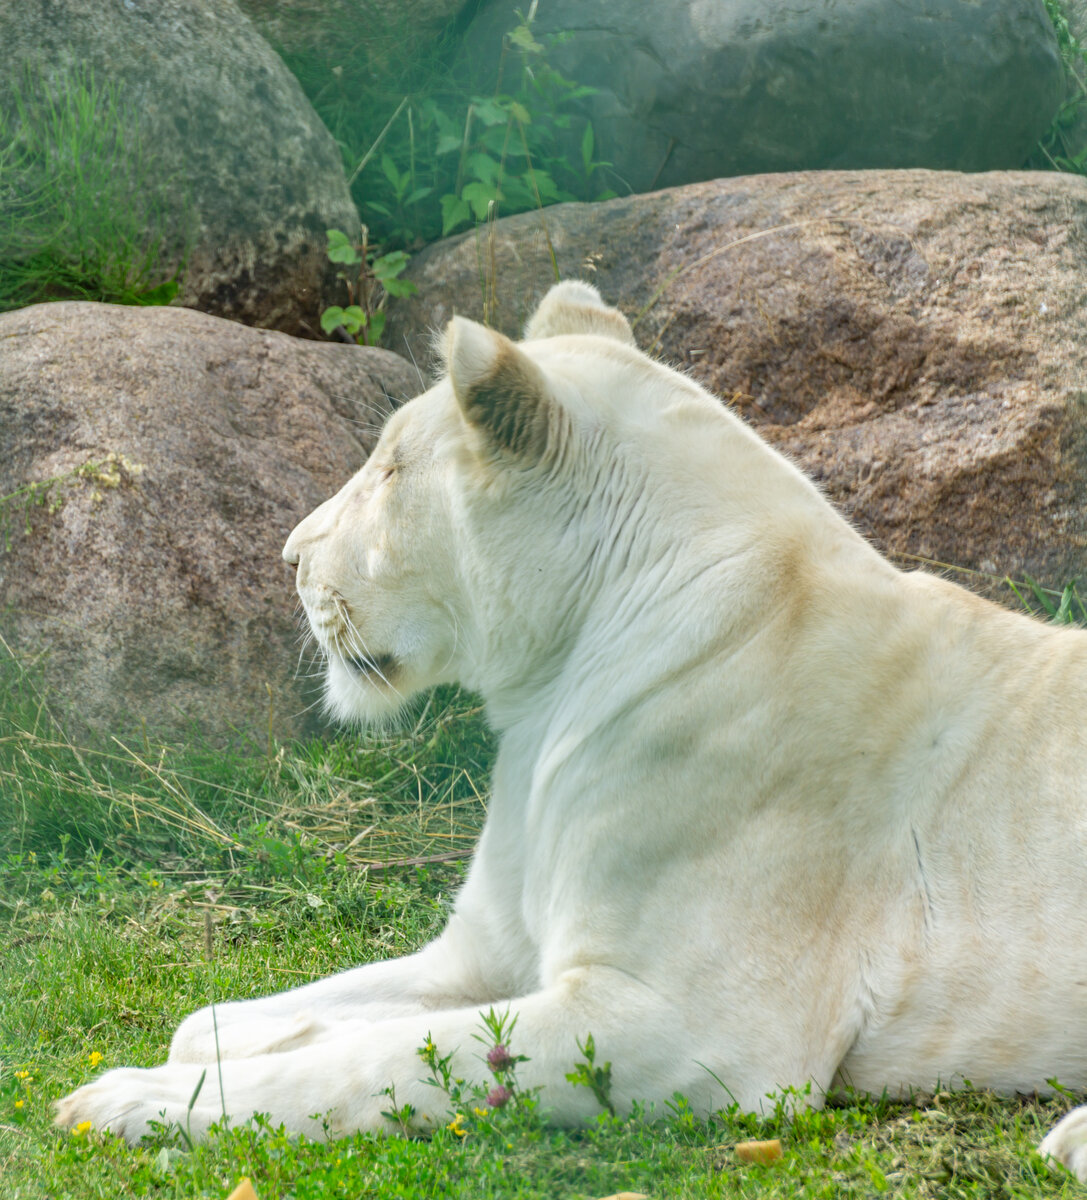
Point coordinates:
[[1066, 607], [51, 494], [431, 147], [475, 1108], [85, 211], [588, 1074], [400, 1115], [513, 148], [1059, 148], [374, 278], [478, 156]]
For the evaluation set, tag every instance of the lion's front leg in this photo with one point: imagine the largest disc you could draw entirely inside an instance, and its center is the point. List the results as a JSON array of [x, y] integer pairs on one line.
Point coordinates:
[[344, 1077], [442, 975]]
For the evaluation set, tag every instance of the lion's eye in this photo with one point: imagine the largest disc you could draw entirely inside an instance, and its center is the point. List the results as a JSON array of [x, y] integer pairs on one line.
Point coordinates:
[[386, 474]]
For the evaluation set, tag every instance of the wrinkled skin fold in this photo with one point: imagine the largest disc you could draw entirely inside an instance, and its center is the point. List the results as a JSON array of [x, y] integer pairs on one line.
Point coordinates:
[[766, 810]]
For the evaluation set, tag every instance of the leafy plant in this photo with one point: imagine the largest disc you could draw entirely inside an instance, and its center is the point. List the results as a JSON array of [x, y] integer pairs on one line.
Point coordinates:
[[488, 1111], [1060, 148], [375, 278], [509, 151], [430, 147], [588, 1074], [512, 153], [85, 212]]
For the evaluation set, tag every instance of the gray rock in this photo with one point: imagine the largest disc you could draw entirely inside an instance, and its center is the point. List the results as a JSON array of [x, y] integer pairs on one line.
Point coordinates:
[[253, 177], [916, 340], [700, 89], [296, 24], [146, 582]]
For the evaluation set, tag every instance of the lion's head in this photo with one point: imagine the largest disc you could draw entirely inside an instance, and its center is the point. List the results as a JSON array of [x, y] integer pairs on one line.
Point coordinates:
[[531, 491]]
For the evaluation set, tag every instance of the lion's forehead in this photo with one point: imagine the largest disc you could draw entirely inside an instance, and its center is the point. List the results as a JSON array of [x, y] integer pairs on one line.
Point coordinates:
[[417, 426]]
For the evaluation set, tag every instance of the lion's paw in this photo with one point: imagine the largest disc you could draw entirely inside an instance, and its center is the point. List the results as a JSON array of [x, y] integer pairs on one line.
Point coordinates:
[[126, 1100], [1067, 1142]]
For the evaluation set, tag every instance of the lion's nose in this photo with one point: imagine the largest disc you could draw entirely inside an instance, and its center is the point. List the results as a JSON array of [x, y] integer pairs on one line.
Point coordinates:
[[292, 556], [312, 529], [292, 548]]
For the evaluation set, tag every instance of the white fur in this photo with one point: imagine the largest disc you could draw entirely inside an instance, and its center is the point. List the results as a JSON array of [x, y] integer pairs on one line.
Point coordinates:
[[766, 810]]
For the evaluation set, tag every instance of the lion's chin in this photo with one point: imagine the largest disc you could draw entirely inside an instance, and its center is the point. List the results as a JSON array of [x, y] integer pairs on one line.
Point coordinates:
[[364, 692]]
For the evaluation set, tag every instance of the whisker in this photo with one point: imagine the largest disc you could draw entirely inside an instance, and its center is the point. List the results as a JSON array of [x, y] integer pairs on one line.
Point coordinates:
[[357, 641], [411, 355], [321, 701], [360, 650], [456, 635]]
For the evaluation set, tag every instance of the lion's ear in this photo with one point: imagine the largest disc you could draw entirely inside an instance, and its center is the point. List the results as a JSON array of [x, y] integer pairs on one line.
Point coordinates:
[[576, 307], [501, 391]]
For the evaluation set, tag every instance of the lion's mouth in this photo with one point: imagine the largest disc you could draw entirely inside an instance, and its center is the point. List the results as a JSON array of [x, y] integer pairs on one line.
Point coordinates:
[[380, 666]]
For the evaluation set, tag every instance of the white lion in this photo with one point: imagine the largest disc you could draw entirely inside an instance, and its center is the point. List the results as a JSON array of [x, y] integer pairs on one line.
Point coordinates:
[[767, 811]]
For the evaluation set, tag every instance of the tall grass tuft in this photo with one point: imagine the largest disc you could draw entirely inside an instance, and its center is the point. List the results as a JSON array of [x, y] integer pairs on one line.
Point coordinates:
[[85, 210]]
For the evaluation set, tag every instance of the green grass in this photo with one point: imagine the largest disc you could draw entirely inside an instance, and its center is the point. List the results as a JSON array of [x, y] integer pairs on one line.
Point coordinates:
[[85, 210], [101, 963], [121, 867]]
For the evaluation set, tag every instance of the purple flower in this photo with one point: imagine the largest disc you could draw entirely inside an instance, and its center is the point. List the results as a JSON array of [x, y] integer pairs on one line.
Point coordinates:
[[498, 1096], [499, 1059]]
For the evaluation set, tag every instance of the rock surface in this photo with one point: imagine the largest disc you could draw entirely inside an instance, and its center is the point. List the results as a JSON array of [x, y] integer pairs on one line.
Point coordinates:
[[916, 340], [255, 179], [398, 26], [701, 89], [146, 581]]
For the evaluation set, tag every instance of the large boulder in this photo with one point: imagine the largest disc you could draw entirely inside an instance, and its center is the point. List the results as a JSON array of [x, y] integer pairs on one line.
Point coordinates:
[[154, 461], [916, 340], [699, 89], [249, 177]]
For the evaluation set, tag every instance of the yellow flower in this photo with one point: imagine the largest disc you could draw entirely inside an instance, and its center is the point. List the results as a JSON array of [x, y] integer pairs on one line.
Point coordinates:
[[480, 1112], [95, 1057], [25, 1076], [82, 1128], [19, 1103], [456, 1126]]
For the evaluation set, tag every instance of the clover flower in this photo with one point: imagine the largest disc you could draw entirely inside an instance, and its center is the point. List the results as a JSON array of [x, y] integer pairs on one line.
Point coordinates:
[[499, 1096], [499, 1058]]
